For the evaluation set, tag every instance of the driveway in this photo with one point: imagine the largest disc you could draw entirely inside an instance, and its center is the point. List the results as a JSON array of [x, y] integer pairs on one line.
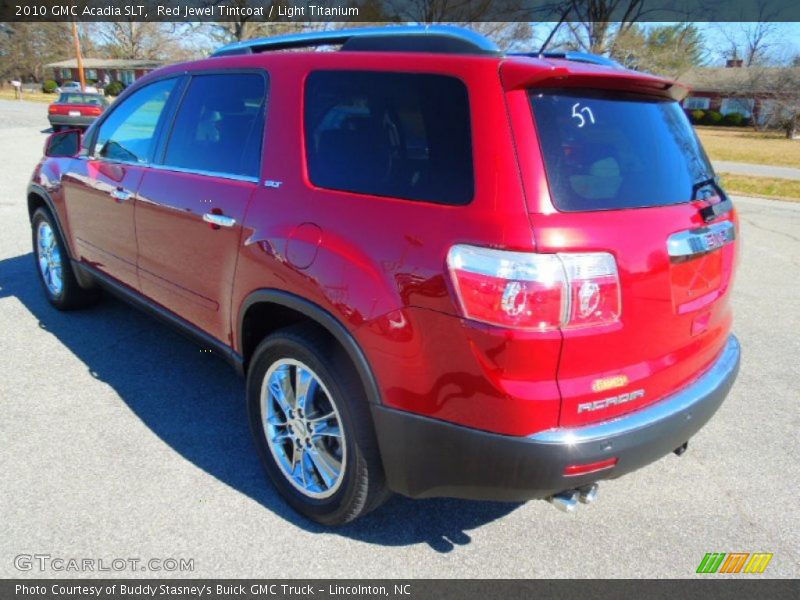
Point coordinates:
[[120, 439]]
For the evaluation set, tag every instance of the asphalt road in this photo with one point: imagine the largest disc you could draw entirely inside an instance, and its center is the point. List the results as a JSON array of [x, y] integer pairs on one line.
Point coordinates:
[[119, 439]]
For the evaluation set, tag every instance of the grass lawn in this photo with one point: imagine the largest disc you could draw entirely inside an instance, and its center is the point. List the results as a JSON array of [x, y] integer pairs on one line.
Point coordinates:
[[8, 94], [742, 144], [767, 187]]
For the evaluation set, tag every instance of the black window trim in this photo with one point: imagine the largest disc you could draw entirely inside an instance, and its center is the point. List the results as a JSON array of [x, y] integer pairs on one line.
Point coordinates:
[[164, 136], [166, 116], [305, 163]]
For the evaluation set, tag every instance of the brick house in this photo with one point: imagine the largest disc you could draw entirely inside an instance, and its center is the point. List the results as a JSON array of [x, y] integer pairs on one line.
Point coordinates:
[[733, 89], [104, 70]]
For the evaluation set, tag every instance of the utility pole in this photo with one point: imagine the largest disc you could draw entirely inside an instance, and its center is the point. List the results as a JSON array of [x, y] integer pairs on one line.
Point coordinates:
[[78, 55]]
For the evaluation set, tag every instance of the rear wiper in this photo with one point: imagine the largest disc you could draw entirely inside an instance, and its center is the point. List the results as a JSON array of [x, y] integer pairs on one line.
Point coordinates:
[[712, 211]]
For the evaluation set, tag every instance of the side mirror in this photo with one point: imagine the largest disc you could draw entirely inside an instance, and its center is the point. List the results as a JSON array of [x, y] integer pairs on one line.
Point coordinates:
[[63, 143]]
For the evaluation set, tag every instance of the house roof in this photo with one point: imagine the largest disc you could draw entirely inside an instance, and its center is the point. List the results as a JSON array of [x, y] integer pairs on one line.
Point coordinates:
[[108, 63], [734, 79]]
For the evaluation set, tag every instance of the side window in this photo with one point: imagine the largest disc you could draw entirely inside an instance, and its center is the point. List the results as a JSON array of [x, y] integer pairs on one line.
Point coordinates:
[[220, 125], [402, 135], [127, 133]]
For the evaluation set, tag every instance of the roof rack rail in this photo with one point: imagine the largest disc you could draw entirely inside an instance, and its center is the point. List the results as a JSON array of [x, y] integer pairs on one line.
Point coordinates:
[[584, 57], [398, 38]]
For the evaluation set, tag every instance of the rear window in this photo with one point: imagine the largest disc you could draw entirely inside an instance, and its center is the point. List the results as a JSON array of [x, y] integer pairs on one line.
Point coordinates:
[[402, 135], [92, 99], [605, 151]]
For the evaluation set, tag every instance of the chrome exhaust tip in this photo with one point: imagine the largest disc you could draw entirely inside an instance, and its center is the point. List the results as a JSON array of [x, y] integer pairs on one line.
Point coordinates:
[[588, 493], [565, 501]]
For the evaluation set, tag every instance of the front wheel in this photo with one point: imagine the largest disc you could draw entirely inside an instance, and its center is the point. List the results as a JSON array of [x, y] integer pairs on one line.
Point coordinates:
[[53, 265], [312, 427]]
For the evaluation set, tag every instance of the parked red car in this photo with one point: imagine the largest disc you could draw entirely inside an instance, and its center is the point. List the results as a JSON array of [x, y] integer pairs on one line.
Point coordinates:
[[444, 271], [75, 109]]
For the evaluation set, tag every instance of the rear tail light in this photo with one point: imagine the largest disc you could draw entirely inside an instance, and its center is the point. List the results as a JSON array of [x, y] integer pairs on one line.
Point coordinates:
[[94, 111], [593, 289], [51, 109], [533, 291]]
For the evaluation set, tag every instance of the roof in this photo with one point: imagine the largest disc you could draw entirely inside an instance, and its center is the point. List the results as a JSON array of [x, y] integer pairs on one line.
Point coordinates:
[[733, 79], [108, 63]]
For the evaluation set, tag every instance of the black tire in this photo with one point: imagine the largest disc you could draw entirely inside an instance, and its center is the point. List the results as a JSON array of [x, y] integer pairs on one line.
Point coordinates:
[[71, 295], [362, 486]]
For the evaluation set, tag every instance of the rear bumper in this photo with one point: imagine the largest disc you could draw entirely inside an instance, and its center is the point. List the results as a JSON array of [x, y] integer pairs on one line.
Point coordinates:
[[424, 457], [67, 121]]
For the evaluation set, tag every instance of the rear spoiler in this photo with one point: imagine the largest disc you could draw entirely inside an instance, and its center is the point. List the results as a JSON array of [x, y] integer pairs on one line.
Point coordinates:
[[519, 73]]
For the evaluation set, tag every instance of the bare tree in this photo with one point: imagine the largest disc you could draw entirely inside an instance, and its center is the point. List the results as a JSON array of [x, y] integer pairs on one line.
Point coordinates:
[[133, 39], [595, 25], [508, 36], [245, 26], [751, 42], [504, 21], [779, 91], [25, 49]]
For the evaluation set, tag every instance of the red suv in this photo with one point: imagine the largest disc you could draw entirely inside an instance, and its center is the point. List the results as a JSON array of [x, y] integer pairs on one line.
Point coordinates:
[[444, 271]]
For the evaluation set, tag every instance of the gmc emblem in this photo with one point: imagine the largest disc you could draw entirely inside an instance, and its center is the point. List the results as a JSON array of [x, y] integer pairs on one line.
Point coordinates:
[[715, 239]]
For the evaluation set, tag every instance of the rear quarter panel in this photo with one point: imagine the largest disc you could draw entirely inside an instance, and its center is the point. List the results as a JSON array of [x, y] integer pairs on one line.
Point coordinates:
[[379, 263]]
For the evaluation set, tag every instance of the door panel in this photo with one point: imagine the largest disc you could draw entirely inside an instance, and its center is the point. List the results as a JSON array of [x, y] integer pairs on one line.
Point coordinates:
[[185, 263], [189, 218], [100, 190], [101, 199]]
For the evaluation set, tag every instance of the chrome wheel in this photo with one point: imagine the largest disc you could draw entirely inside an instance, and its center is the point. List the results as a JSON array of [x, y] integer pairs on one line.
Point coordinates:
[[49, 258], [303, 428]]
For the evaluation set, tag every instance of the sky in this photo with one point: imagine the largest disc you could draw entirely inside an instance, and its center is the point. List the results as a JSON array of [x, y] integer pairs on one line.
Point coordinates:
[[786, 39]]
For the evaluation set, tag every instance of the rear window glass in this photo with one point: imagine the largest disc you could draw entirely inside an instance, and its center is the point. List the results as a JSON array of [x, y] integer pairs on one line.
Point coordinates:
[[82, 99], [606, 151], [402, 135]]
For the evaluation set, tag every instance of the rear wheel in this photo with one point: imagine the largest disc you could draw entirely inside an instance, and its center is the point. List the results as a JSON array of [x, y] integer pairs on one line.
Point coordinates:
[[312, 427], [55, 270]]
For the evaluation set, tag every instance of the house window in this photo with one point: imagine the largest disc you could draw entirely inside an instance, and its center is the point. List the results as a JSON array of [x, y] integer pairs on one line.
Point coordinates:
[[696, 103], [127, 77], [91, 74], [743, 106], [66, 73]]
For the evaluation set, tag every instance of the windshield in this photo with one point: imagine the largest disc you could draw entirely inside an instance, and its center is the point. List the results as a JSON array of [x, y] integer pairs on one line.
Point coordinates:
[[608, 150]]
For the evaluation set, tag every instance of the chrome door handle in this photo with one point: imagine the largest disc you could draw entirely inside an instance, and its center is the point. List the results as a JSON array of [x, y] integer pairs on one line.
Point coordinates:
[[219, 220], [120, 194]]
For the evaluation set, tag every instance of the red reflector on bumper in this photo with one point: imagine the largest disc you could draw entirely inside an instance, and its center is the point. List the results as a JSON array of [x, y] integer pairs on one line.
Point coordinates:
[[590, 467]]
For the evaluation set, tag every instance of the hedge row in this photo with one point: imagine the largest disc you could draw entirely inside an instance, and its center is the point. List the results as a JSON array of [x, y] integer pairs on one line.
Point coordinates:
[[712, 117], [114, 88]]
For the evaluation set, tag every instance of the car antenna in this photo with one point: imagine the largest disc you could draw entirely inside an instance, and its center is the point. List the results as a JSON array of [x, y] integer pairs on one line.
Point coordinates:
[[553, 31]]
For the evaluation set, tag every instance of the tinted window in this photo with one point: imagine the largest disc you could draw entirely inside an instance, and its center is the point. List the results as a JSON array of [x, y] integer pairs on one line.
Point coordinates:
[[219, 125], [604, 152], [127, 134], [390, 134]]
